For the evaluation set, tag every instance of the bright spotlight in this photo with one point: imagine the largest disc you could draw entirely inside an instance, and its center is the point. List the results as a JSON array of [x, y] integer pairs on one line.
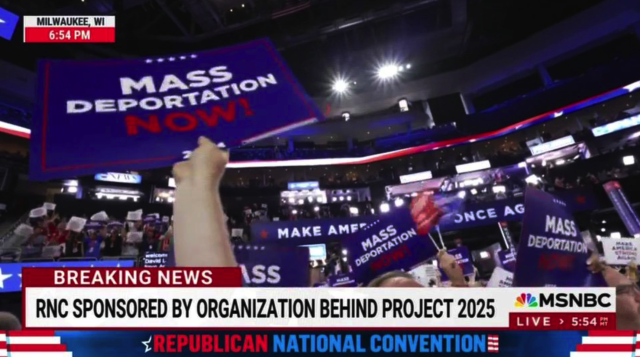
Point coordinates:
[[73, 189], [354, 210], [398, 202], [344, 252], [341, 198], [628, 160], [560, 162], [294, 212], [346, 116], [533, 179], [349, 198], [474, 191], [340, 86], [316, 209], [333, 199], [310, 199], [292, 200], [408, 66], [388, 71], [462, 194], [384, 208], [300, 202]]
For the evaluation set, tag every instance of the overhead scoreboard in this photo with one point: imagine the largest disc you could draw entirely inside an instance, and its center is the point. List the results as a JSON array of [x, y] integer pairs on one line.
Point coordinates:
[[69, 29]]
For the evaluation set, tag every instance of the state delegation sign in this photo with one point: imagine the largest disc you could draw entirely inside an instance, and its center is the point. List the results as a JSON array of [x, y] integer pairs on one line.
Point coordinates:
[[147, 113]]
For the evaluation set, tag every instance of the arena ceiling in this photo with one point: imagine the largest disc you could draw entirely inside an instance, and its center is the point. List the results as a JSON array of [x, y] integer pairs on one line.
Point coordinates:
[[320, 39]]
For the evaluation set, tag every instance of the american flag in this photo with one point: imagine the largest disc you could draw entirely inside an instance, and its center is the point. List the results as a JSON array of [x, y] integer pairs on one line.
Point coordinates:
[[609, 344], [32, 344], [493, 344]]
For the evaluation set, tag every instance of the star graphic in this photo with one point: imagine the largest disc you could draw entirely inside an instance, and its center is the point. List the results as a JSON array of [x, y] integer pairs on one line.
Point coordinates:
[[3, 277], [264, 234], [147, 348]]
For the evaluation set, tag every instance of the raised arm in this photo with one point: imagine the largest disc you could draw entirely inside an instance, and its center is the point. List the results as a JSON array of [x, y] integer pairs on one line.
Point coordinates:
[[200, 237]]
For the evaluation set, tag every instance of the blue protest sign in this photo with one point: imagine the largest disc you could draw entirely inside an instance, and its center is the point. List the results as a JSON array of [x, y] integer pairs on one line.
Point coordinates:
[[267, 266], [389, 243], [463, 258], [11, 273], [508, 259], [551, 250], [342, 281], [145, 113]]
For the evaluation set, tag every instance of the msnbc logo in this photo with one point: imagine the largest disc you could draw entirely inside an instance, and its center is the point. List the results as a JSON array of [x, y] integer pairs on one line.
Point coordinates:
[[526, 300]]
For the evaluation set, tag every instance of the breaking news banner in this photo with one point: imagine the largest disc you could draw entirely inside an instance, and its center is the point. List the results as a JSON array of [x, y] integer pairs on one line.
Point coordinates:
[[157, 108], [203, 298], [69, 29]]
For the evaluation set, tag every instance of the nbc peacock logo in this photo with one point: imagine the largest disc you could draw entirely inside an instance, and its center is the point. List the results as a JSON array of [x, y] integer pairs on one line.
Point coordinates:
[[526, 300]]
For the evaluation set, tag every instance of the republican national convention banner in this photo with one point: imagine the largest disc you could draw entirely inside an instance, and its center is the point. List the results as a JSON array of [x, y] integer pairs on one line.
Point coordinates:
[[312, 231], [149, 112], [319, 343]]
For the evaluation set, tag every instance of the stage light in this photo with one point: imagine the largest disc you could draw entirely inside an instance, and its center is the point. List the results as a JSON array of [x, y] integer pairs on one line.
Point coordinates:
[[310, 199], [73, 189], [522, 165], [404, 105], [498, 189], [344, 259], [604, 222], [560, 162], [340, 86], [602, 230], [384, 208], [292, 200], [615, 235], [316, 208], [484, 255], [346, 116], [462, 194], [408, 66], [341, 198], [344, 252], [170, 199], [333, 199], [629, 160], [388, 71], [354, 210], [300, 202], [398, 202], [294, 212], [474, 191], [349, 198], [544, 163]]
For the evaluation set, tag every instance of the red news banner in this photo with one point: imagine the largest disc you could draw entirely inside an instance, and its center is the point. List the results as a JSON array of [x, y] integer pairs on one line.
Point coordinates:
[[69, 29], [212, 298]]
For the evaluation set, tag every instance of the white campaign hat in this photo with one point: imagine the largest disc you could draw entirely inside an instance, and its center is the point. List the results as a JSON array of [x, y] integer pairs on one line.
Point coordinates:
[[134, 215], [76, 224], [100, 216], [38, 212]]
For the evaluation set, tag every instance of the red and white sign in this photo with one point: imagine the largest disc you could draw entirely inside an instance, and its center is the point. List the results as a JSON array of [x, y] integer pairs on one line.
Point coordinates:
[[69, 29], [190, 298]]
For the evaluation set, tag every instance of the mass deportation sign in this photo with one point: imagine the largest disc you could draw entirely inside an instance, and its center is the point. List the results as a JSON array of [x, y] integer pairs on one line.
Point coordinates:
[[390, 243], [148, 112], [551, 250]]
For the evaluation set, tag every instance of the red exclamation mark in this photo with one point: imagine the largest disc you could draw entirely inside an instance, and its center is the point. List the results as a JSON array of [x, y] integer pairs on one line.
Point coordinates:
[[245, 104]]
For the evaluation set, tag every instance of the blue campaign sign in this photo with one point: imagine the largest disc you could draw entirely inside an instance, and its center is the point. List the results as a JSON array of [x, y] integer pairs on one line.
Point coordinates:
[[8, 23], [389, 243], [269, 266], [11, 273], [342, 281], [508, 259], [146, 113], [463, 258], [308, 231], [551, 250]]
